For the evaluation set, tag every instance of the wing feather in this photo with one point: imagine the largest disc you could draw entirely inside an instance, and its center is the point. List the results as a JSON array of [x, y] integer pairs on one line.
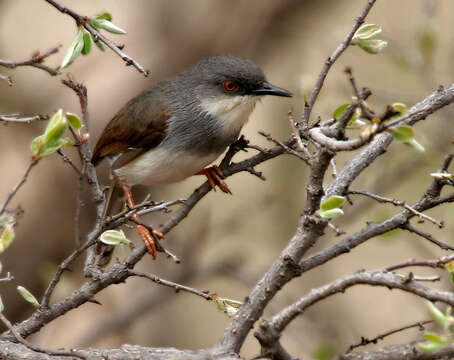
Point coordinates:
[[140, 124]]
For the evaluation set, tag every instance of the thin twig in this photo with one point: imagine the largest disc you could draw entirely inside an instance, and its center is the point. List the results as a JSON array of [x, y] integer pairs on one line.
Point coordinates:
[[8, 277], [287, 149], [83, 20], [204, 294], [334, 167], [296, 133], [338, 231], [434, 263], [396, 202], [68, 160], [366, 112], [35, 61], [331, 60], [28, 120], [19, 338], [64, 266], [21, 182], [270, 330], [365, 341], [428, 236]]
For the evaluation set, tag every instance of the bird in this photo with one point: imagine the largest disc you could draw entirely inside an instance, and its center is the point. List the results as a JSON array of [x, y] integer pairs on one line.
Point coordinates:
[[181, 125]]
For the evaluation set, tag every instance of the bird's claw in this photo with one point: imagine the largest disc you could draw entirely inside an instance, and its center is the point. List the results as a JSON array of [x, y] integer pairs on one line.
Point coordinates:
[[215, 177]]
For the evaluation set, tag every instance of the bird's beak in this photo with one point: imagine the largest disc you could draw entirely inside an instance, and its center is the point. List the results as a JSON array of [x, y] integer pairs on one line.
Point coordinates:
[[269, 89]]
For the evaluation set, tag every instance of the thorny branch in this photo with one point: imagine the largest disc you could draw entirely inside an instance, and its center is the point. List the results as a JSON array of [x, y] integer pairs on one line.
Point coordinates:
[[365, 341]]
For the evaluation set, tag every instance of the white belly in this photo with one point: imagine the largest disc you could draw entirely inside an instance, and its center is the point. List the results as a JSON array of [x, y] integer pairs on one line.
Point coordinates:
[[160, 166]]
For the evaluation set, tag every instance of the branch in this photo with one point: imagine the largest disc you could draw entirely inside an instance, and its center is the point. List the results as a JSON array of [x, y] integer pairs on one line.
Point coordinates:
[[13, 351], [400, 352], [89, 171], [177, 287], [18, 185], [373, 229], [28, 120], [270, 331], [83, 20], [35, 61], [119, 272], [396, 202], [428, 236], [20, 339], [380, 142], [331, 60], [365, 341]]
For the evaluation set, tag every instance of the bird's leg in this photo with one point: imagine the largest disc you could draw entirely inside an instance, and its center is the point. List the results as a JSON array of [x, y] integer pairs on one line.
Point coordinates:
[[215, 177], [144, 233]]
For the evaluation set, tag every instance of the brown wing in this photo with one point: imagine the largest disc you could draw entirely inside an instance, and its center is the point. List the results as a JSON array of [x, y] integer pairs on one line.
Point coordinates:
[[140, 125]]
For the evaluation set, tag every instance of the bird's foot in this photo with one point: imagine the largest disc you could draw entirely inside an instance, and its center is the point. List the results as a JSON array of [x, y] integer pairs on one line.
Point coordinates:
[[147, 238], [215, 177]]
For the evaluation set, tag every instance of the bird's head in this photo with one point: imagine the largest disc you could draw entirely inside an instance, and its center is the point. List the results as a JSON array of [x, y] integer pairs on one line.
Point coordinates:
[[228, 83]]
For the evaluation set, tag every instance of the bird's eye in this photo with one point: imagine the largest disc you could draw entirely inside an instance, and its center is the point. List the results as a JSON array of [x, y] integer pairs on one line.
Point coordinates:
[[230, 86]]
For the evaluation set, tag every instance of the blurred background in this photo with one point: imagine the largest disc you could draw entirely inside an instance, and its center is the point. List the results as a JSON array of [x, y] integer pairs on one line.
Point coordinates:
[[228, 241]]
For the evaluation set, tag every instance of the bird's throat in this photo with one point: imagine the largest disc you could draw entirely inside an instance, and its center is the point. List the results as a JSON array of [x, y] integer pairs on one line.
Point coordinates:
[[231, 112]]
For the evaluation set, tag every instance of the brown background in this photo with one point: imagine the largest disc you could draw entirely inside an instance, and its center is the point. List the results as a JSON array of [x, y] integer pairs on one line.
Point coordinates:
[[290, 40]]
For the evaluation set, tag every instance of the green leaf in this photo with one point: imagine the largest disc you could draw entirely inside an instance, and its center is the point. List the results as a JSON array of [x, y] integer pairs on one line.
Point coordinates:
[[372, 46], [367, 31], [415, 145], [113, 237], [74, 121], [27, 295], [332, 202], [56, 127], [51, 140], [403, 133], [337, 114], [400, 107], [427, 43], [228, 306], [7, 237], [330, 214], [437, 315], [107, 25], [430, 347], [87, 43], [6, 220], [100, 45], [435, 338], [324, 352], [105, 15], [74, 49]]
